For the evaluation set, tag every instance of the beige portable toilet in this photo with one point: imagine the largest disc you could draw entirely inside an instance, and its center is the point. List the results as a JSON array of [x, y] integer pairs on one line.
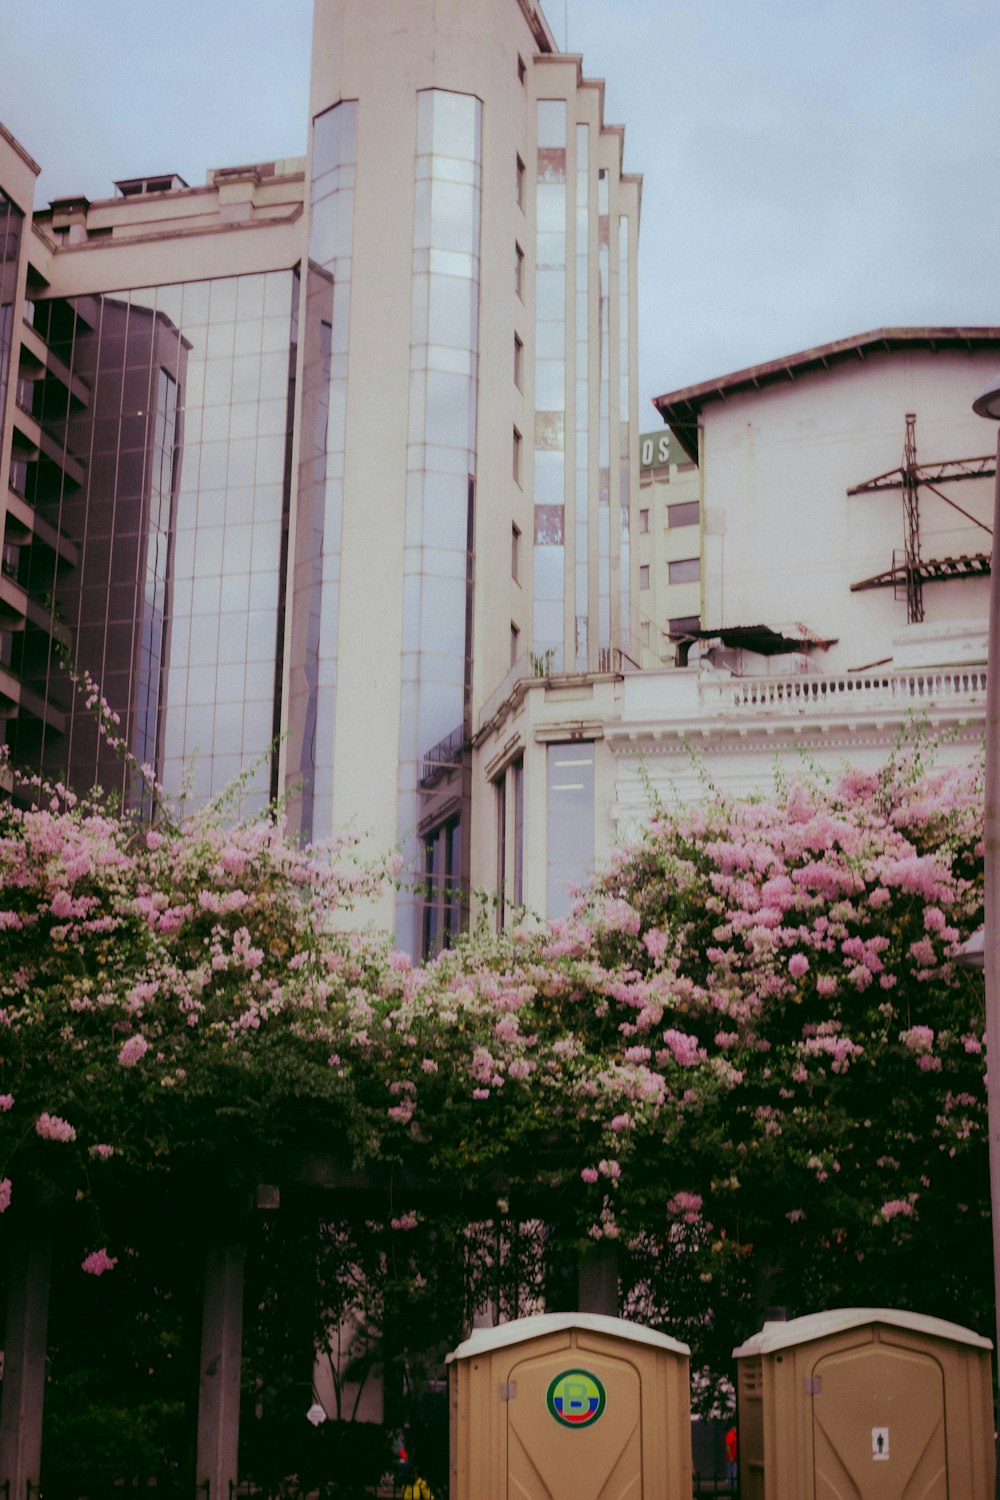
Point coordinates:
[[865, 1403], [570, 1406]]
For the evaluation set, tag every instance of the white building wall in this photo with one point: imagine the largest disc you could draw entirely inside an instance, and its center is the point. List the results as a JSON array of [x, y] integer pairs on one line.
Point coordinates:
[[784, 541]]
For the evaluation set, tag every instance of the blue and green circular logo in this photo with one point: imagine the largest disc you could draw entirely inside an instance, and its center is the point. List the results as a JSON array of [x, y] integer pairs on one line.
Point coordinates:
[[576, 1398]]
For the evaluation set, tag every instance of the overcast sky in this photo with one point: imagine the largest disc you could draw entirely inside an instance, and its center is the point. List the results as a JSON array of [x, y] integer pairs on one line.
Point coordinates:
[[812, 170]]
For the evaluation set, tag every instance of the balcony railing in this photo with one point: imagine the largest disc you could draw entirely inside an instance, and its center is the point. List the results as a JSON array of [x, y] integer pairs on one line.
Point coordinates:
[[796, 695]]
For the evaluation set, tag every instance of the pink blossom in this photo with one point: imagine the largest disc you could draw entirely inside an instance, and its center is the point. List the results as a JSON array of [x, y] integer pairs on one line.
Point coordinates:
[[4, 1194], [405, 1221], [620, 1123], [589, 1174], [101, 1151], [132, 1050], [685, 1205], [795, 1215], [918, 1038], [609, 1168], [6, 1102], [798, 965], [53, 1128], [97, 1262], [896, 1208]]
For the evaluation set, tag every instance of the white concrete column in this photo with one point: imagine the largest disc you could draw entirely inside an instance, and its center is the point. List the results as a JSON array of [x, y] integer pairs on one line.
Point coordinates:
[[29, 1266], [219, 1371]]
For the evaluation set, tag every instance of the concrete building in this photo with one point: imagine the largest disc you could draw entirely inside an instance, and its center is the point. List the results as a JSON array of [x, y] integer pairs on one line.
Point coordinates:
[[335, 450], [671, 580], [793, 664]]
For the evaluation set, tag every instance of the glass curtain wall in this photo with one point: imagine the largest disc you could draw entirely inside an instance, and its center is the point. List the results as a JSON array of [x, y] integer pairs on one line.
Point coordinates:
[[434, 775], [604, 425], [325, 329], [180, 508], [582, 397], [549, 578], [624, 442]]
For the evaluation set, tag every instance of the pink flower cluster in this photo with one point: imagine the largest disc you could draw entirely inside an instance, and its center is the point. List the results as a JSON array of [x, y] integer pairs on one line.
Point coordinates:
[[97, 1262], [53, 1128]]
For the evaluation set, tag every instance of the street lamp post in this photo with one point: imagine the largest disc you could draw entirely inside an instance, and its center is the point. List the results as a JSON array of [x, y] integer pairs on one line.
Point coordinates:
[[988, 405]]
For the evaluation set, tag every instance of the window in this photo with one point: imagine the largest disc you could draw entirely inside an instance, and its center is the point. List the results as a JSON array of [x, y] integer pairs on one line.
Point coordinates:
[[644, 632], [509, 793], [442, 885], [521, 69], [570, 823], [644, 521], [644, 576], [684, 624], [519, 271], [515, 643], [685, 570], [685, 514], [515, 553], [518, 363], [517, 456], [500, 787], [520, 183]]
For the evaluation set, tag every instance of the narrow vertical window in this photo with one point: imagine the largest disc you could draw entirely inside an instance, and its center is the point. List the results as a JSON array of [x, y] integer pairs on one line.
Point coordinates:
[[644, 576], [515, 553], [518, 363], [515, 643], [521, 69], [517, 771], [517, 455], [570, 823], [644, 521], [500, 788], [520, 183], [519, 271]]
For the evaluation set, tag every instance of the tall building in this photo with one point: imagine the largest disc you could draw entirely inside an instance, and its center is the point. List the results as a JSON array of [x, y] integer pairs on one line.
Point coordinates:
[[333, 453]]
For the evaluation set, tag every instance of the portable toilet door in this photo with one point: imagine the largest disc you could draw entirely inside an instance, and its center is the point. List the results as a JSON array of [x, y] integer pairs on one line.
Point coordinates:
[[866, 1404], [570, 1406]]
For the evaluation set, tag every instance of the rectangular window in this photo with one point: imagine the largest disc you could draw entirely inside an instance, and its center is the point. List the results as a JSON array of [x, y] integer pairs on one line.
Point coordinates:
[[644, 632], [521, 69], [517, 456], [500, 787], [644, 521], [684, 624], [515, 643], [519, 271], [520, 183], [517, 772], [515, 553], [442, 886], [644, 576], [518, 363], [570, 823], [685, 514], [684, 570]]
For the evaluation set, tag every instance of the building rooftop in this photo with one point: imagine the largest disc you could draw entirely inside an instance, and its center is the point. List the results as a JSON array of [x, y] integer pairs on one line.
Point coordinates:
[[681, 409]]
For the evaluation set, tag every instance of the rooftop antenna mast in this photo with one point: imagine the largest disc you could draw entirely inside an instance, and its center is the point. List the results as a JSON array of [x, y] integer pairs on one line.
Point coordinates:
[[914, 571], [911, 514]]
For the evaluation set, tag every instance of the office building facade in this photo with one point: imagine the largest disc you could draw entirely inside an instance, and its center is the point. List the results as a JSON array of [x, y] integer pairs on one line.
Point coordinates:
[[309, 464]]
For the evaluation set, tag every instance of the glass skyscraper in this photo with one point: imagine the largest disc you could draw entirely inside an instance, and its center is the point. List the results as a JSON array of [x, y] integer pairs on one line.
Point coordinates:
[[317, 474]]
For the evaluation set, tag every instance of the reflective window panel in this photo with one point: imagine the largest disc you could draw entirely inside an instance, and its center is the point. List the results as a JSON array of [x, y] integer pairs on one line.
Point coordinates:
[[570, 823], [440, 498]]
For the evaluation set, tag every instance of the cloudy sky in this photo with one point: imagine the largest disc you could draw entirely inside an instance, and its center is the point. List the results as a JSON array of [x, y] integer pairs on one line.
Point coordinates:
[[812, 170]]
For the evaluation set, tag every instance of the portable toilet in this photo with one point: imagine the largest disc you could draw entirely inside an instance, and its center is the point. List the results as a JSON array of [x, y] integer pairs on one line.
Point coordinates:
[[570, 1406], [865, 1402]]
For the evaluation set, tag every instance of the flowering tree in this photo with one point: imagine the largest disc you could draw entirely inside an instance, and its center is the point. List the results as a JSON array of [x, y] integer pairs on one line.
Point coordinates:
[[747, 1061]]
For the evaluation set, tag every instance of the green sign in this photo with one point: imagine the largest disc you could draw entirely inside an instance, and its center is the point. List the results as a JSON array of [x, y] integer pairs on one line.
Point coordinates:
[[657, 449], [575, 1398]]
